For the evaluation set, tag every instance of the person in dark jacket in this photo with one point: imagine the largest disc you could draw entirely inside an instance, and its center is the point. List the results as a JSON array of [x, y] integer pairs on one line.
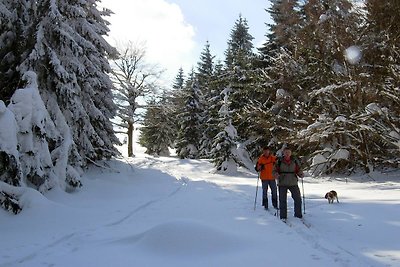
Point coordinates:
[[288, 170]]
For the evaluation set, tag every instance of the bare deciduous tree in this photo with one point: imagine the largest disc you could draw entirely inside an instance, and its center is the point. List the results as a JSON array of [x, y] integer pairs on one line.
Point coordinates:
[[134, 79]]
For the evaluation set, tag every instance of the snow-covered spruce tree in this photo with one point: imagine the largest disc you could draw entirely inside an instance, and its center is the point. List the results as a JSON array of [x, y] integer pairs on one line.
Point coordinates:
[[133, 78], [26, 147], [63, 44], [158, 129], [10, 167], [377, 58], [337, 100], [175, 101], [9, 156], [240, 45], [239, 63], [263, 113], [189, 119], [282, 32], [211, 112], [161, 121], [179, 80], [313, 57], [13, 18], [205, 77], [36, 133], [266, 115], [329, 28], [205, 68], [176, 98], [70, 56], [284, 116], [224, 153], [284, 82]]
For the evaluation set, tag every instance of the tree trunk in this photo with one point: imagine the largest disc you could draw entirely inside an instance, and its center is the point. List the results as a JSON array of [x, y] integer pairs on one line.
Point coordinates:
[[130, 137], [364, 152]]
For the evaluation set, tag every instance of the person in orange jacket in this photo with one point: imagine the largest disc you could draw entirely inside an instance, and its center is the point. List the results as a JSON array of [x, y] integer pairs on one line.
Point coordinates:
[[265, 165]]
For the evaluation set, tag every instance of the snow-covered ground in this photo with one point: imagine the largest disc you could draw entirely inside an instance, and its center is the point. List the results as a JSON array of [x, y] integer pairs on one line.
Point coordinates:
[[163, 211]]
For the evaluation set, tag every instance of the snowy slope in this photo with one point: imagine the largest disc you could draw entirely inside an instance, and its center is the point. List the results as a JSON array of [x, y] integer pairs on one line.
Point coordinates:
[[148, 211]]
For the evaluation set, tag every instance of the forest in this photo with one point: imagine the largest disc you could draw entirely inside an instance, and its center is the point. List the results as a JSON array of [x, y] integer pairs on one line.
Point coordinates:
[[325, 82]]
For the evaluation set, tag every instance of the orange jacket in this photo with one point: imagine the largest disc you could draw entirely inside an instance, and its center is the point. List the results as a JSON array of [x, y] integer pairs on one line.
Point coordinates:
[[268, 162]]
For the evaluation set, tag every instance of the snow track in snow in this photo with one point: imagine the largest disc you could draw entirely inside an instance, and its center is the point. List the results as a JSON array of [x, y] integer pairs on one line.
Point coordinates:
[[39, 252], [144, 206], [310, 235]]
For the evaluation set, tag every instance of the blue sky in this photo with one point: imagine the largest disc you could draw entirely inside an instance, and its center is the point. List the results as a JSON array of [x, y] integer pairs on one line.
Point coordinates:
[[175, 32], [214, 19]]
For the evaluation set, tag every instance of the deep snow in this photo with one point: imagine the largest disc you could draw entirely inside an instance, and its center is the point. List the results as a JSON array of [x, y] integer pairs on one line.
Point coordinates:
[[163, 211]]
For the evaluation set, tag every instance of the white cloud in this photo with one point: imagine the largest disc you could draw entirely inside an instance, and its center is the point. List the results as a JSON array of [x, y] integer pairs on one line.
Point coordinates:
[[169, 39]]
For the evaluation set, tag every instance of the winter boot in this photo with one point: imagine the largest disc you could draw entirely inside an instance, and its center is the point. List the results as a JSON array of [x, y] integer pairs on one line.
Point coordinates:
[[275, 203]]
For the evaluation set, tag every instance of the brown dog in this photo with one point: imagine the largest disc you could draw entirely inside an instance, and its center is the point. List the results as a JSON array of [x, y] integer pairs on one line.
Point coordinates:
[[331, 196]]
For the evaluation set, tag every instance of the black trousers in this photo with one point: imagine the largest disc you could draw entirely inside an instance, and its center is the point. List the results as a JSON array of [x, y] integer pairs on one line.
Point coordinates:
[[295, 191]]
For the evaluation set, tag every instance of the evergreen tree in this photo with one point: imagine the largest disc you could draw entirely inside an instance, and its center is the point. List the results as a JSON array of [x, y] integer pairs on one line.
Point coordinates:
[[205, 76], [335, 97], [239, 53], [380, 43], [225, 153], [380, 57], [189, 119], [238, 73], [10, 166], [205, 69], [176, 102], [179, 80], [282, 33], [283, 102], [265, 112], [70, 56], [36, 131], [62, 44], [176, 98], [25, 157], [13, 43], [158, 130]]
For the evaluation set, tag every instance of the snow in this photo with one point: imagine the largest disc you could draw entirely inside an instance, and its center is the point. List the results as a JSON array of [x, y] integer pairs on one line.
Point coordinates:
[[323, 18], [281, 93], [165, 211], [231, 131], [341, 154], [35, 128], [373, 108], [340, 119], [8, 134], [353, 54]]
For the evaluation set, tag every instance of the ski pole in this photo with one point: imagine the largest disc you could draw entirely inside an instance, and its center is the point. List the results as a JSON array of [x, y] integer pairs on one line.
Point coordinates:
[[304, 200], [277, 202], [255, 199]]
